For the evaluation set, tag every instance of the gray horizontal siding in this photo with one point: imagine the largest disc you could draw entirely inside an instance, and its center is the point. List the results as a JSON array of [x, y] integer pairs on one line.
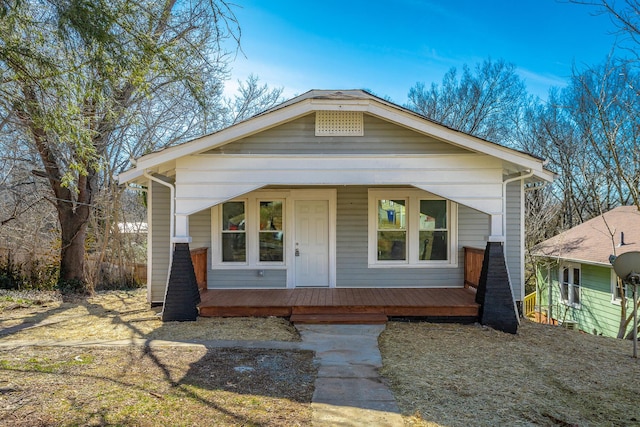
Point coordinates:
[[298, 136], [200, 233], [246, 279], [514, 243], [473, 230], [352, 252], [160, 214]]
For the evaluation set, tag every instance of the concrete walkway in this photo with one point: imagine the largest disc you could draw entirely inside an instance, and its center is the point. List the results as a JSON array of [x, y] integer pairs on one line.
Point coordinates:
[[348, 390]]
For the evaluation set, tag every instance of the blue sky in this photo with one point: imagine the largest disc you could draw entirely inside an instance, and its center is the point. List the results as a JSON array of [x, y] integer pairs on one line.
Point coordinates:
[[388, 46]]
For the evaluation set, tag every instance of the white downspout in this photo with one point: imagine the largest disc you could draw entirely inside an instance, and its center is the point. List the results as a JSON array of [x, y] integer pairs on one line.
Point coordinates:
[[172, 220]]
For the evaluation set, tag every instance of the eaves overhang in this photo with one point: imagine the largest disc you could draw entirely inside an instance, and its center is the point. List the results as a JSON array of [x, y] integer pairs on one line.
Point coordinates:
[[353, 100]]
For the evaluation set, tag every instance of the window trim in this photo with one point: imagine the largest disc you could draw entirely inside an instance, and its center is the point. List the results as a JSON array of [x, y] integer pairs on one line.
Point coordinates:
[[569, 300], [413, 197]]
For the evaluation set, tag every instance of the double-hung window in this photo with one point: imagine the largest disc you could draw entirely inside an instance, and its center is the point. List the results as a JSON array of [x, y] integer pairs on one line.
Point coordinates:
[[271, 233], [433, 238], [410, 227], [233, 232], [570, 282]]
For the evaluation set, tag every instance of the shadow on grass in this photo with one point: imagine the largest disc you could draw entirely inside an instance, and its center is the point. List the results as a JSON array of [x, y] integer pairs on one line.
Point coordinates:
[[256, 377]]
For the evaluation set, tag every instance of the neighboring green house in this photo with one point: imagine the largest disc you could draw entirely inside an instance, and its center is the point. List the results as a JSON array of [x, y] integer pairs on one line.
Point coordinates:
[[576, 284]]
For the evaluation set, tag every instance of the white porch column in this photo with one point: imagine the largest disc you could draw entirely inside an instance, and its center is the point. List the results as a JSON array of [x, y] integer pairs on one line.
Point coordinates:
[[496, 233], [182, 229]]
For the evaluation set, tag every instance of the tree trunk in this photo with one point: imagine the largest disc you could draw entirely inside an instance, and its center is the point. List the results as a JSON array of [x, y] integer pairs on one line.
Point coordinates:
[[73, 205], [73, 227]]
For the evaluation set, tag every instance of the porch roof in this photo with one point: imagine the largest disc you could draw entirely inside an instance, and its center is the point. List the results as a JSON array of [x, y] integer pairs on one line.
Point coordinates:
[[515, 162]]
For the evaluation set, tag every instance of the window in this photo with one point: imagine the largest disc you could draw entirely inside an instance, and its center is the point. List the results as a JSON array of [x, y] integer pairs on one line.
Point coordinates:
[[433, 230], [570, 281], [234, 237], [249, 231], [392, 230], [410, 227], [270, 234]]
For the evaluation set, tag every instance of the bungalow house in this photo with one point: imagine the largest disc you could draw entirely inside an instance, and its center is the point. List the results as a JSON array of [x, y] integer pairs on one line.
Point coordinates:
[[577, 285], [340, 192]]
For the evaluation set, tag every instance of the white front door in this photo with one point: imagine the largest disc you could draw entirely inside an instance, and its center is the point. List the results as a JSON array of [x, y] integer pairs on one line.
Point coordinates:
[[311, 260]]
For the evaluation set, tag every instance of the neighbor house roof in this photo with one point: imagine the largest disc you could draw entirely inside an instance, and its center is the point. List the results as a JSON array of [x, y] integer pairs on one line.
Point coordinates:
[[613, 233], [337, 100]]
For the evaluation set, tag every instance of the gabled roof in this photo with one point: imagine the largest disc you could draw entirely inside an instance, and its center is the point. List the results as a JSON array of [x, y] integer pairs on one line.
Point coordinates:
[[595, 240], [338, 100]]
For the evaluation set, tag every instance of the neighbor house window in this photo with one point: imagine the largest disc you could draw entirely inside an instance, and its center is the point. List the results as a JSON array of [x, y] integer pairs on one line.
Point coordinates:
[[617, 288], [570, 283], [410, 227]]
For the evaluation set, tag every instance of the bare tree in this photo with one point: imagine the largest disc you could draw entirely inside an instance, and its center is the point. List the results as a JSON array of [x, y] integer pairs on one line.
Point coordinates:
[[625, 16], [605, 108], [251, 99], [486, 102]]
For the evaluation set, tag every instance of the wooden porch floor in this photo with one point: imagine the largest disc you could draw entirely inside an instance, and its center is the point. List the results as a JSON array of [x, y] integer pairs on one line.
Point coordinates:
[[340, 305]]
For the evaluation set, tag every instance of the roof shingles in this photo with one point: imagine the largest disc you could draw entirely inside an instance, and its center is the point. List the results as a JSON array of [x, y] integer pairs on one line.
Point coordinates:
[[595, 240]]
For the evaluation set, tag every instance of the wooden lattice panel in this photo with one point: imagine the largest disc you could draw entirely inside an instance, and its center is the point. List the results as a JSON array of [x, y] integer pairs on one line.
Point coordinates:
[[339, 123]]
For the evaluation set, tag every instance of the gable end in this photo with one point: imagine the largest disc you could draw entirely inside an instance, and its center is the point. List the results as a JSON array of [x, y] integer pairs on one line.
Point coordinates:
[[299, 137]]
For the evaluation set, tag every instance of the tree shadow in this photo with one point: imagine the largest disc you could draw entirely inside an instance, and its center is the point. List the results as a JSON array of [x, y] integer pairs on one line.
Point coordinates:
[[246, 372], [34, 320]]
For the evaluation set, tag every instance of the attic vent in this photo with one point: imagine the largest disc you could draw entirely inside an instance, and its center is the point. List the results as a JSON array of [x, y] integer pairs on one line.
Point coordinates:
[[339, 123]]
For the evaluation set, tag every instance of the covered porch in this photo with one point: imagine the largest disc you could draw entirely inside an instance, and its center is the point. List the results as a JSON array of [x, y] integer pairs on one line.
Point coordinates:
[[347, 305]]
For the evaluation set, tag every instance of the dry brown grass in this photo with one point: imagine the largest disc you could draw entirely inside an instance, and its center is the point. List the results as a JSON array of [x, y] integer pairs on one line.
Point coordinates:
[[455, 375], [441, 374], [151, 386], [123, 315], [144, 386]]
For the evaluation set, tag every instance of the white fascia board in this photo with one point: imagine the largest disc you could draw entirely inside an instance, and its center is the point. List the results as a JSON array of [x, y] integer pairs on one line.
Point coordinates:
[[130, 175], [461, 139]]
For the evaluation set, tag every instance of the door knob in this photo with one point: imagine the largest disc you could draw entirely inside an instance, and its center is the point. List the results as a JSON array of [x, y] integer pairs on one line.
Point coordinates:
[[297, 252]]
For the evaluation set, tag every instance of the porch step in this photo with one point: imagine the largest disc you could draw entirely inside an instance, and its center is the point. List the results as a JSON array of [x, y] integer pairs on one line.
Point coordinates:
[[340, 318]]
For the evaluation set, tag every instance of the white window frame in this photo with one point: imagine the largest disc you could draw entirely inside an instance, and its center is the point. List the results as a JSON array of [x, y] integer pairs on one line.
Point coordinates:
[[252, 230], [568, 299], [412, 208]]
